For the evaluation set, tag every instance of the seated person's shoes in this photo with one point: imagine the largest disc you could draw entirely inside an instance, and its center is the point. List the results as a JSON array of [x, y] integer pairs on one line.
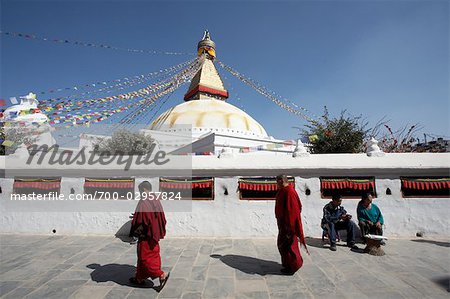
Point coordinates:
[[382, 242], [353, 246], [333, 247]]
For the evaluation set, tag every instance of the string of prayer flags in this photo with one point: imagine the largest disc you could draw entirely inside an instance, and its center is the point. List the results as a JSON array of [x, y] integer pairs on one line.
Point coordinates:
[[98, 116], [87, 44], [179, 79], [281, 102], [64, 109], [109, 84]]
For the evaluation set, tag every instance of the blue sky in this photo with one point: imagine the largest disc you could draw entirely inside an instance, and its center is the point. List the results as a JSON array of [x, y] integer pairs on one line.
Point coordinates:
[[375, 58]]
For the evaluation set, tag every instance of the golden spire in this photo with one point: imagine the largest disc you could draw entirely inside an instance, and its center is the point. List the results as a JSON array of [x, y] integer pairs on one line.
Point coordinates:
[[206, 45], [206, 84]]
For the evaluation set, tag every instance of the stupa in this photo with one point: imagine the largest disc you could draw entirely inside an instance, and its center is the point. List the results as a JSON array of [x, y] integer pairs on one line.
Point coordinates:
[[207, 118], [28, 120]]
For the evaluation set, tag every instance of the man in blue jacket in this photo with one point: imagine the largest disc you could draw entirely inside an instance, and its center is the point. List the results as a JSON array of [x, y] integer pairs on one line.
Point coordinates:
[[335, 218]]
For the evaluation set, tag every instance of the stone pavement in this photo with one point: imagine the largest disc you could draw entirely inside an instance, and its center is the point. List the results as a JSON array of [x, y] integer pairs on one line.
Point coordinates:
[[99, 267]]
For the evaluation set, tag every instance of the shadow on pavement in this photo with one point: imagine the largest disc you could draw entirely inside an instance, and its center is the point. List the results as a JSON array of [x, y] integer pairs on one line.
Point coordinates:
[[438, 243], [317, 242], [443, 281], [250, 265], [117, 273]]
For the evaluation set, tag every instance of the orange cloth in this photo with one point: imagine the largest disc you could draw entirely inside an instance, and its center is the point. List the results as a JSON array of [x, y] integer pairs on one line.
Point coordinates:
[[149, 260]]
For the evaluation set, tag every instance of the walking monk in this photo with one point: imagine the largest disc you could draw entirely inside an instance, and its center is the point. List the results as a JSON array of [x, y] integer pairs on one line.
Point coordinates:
[[290, 230], [149, 225]]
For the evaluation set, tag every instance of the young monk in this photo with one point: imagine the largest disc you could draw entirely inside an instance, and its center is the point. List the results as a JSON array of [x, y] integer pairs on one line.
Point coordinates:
[[149, 225], [290, 230]]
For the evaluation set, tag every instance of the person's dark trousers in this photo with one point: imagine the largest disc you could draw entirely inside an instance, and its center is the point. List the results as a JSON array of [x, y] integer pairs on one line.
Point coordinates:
[[341, 225], [366, 228]]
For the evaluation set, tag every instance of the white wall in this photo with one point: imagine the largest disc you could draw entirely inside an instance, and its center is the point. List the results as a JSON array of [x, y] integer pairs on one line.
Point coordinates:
[[226, 215]]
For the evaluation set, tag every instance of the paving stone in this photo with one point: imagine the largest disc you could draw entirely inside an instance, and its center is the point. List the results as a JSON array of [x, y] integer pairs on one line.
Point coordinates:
[[247, 276], [42, 279], [167, 260], [78, 257], [19, 274], [253, 295], [206, 249], [187, 260], [251, 286], [383, 294], [142, 293], [91, 292], [409, 292], [278, 295], [198, 273], [219, 288], [181, 270], [8, 286], [195, 286], [308, 295], [63, 266], [57, 289], [220, 270], [366, 281], [18, 293], [191, 295], [118, 293], [189, 254], [202, 260], [283, 284], [101, 259], [74, 275], [174, 288], [357, 294], [96, 267]]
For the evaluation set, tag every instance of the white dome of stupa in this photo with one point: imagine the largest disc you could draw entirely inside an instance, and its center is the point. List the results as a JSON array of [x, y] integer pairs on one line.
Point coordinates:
[[208, 115]]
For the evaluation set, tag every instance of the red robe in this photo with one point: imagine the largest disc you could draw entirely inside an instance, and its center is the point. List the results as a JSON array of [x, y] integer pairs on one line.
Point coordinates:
[[150, 214], [290, 229]]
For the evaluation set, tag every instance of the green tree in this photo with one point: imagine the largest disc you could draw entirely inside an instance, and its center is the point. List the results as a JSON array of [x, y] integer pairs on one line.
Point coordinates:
[[18, 135], [126, 143], [343, 134]]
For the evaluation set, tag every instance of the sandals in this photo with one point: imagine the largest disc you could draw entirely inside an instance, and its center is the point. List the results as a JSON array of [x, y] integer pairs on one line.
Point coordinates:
[[163, 282]]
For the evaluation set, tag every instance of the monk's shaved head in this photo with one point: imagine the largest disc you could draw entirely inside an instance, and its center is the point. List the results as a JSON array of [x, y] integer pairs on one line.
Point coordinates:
[[282, 177]]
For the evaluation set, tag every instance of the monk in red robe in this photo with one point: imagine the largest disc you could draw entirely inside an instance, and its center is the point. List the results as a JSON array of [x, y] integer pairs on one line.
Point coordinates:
[[290, 230], [149, 225]]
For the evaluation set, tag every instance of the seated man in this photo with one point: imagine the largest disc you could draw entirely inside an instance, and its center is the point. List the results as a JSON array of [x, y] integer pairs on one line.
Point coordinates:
[[370, 219], [335, 218]]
